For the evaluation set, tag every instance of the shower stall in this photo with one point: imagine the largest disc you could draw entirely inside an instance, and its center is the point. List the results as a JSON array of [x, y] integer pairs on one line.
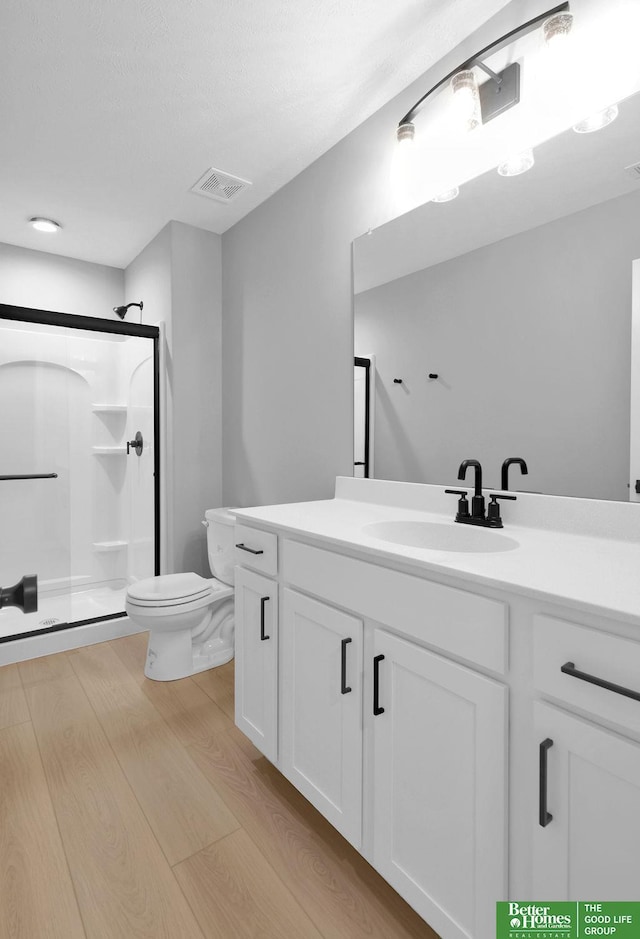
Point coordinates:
[[79, 465]]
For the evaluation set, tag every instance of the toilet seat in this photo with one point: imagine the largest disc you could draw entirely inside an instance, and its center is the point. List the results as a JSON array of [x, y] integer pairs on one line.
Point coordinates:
[[168, 589], [174, 609]]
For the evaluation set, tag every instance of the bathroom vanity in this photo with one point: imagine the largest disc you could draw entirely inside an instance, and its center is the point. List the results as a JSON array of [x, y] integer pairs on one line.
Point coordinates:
[[428, 687]]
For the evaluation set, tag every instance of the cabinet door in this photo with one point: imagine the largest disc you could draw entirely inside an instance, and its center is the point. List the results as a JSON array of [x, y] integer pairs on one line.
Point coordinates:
[[321, 716], [256, 681], [589, 847], [440, 737]]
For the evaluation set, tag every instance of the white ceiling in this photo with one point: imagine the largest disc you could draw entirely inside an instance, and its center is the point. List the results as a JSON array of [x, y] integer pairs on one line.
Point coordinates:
[[111, 109]]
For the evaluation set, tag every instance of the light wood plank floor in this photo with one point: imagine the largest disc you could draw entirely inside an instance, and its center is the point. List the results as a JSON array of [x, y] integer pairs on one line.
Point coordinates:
[[132, 809]]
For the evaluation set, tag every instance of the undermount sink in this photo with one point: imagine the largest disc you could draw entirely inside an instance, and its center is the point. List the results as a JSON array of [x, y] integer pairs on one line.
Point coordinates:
[[442, 536]]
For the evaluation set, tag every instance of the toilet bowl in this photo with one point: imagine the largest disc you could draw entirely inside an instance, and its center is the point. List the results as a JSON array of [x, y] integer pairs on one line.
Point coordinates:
[[189, 617]]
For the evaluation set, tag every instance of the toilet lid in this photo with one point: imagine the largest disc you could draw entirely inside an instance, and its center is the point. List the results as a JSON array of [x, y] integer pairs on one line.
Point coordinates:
[[170, 587]]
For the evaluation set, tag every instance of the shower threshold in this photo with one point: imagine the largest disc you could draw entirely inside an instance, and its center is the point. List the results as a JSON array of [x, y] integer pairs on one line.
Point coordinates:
[[98, 602]]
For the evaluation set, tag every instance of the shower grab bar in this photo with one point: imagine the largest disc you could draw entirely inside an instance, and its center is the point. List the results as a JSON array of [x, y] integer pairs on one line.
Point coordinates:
[[31, 476]]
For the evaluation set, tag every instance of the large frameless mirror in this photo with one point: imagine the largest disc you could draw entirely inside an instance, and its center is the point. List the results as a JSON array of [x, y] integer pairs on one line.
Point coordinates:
[[499, 324]]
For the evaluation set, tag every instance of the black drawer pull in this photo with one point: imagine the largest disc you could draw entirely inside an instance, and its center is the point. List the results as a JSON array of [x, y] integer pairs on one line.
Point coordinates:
[[544, 816], [376, 685], [243, 547], [569, 669], [344, 687], [263, 635]]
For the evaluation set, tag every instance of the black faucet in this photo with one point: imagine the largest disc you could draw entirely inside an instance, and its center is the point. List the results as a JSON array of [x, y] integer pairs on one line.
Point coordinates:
[[477, 503], [477, 516], [513, 460]]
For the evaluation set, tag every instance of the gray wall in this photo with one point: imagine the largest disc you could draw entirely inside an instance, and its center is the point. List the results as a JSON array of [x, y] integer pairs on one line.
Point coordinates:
[[178, 277], [531, 339], [287, 309], [63, 285]]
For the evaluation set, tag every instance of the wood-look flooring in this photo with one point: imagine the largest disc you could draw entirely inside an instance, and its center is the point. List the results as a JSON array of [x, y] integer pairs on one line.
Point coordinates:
[[133, 809]]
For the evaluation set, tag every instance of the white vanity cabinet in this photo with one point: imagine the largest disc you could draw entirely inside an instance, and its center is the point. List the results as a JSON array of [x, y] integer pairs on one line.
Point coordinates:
[[402, 749], [587, 828], [586, 841], [415, 687], [256, 674], [321, 709], [439, 786]]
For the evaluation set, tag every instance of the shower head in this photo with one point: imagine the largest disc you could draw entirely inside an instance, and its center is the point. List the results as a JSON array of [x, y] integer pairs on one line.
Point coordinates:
[[122, 310]]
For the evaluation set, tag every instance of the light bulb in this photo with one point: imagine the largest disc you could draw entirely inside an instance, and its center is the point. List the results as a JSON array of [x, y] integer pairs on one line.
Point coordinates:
[[406, 134], [44, 224], [556, 30], [597, 121], [403, 165], [448, 195], [466, 98], [515, 165]]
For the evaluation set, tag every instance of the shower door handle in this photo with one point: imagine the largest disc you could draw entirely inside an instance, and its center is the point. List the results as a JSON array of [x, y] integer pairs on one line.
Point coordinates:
[[30, 476], [24, 594], [135, 444]]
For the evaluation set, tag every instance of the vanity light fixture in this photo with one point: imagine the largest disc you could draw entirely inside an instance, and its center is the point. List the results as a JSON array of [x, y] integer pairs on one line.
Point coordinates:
[[481, 103], [45, 224], [518, 164], [448, 195], [597, 121]]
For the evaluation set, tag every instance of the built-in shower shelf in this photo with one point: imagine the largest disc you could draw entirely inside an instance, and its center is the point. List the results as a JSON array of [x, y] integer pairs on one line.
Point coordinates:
[[109, 545], [110, 408], [109, 451]]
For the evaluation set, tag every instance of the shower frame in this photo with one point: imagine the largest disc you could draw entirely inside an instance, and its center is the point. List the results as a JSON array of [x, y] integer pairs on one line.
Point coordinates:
[[99, 325]]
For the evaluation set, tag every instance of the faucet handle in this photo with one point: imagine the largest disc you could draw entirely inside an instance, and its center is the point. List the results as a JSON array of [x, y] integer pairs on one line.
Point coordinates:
[[463, 504], [493, 511]]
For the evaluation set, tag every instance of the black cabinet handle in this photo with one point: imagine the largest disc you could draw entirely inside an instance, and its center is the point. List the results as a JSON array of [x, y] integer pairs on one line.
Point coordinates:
[[544, 816], [344, 687], [243, 547], [376, 685], [569, 669], [263, 635]]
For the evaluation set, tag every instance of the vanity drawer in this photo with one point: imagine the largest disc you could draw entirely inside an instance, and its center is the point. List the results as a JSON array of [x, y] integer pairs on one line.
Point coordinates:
[[599, 655], [257, 549], [464, 624]]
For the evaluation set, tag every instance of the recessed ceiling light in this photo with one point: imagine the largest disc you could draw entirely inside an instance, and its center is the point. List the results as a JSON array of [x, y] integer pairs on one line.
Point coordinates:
[[516, 165], [448, 195], [44, 224], [597, 121]]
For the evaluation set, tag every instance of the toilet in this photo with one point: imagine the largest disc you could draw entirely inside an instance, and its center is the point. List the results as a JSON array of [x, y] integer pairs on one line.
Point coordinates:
[[189, 617]]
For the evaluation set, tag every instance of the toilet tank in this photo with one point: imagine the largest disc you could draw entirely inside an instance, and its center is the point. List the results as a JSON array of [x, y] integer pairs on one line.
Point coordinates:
[[220, 544]]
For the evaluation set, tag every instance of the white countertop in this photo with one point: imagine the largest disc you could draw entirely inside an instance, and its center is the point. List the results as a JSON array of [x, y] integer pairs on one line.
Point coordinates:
[[593, 573]]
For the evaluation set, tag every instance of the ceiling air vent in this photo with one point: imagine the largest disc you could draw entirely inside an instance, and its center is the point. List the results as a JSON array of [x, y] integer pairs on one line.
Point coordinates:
[[633, 171], [220, 186]]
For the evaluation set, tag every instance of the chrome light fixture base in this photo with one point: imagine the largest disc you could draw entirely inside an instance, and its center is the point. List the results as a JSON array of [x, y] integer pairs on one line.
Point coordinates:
[[496, 97]]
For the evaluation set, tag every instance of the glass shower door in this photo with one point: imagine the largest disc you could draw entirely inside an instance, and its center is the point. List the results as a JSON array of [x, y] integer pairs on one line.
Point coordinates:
[[36, 435], [78, 465]]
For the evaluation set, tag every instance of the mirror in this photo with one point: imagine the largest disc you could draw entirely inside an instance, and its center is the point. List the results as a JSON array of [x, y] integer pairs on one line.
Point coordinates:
[[500, 325]]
